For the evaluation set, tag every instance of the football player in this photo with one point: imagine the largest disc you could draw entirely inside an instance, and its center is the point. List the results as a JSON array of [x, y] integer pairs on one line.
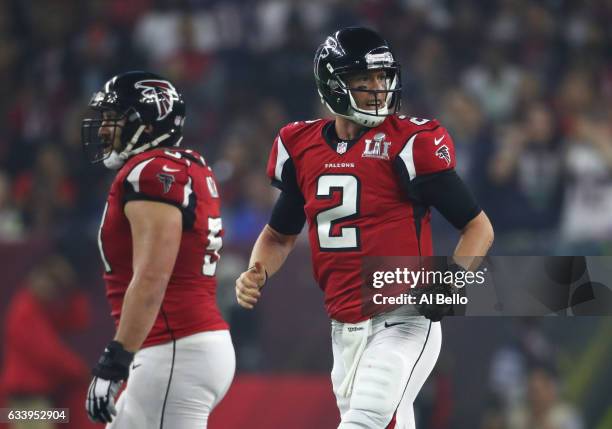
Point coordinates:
[[159, 241], [365, 182]]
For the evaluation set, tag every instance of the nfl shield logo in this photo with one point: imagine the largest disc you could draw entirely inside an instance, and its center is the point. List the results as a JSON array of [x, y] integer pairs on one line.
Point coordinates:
[[341, 148]]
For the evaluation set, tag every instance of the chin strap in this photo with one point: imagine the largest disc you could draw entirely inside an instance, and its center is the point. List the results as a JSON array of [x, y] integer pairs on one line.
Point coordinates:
[[372, 118], [358, 116], [129, 149], [150, 145]]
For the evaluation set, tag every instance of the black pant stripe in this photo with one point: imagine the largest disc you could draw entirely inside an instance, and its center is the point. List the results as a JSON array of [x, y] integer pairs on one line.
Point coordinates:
[[414, 366], [161, 423]]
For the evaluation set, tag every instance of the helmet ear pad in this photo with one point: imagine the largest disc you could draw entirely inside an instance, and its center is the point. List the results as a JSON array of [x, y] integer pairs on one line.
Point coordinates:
[[335, 95]]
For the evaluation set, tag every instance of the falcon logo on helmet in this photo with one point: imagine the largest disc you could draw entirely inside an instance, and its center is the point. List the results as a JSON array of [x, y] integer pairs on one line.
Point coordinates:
[[444, 154], [330, 44], [160, 92], [136, 111]]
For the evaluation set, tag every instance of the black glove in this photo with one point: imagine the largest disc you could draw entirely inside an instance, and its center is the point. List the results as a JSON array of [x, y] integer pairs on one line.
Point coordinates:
[[109, 374], [428, 307]]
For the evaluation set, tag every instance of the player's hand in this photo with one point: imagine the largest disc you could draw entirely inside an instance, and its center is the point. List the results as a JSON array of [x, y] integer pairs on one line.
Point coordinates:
[[109, 374], [428, 307], [426, 297], [249, 284]]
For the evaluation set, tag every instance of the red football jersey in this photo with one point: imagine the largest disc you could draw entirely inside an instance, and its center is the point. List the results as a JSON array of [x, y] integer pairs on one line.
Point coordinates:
[[355, 200], [180, 178]]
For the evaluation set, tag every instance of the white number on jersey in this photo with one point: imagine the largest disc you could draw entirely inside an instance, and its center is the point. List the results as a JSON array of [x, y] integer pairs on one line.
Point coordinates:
[[214, 245], [212, 187], [348, 186]]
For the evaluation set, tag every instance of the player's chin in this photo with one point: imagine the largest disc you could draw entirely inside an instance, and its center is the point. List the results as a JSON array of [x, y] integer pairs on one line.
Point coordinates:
[[105, 148]]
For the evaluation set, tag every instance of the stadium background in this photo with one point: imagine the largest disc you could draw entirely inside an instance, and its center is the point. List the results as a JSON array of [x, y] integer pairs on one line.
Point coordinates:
[[525, 87]]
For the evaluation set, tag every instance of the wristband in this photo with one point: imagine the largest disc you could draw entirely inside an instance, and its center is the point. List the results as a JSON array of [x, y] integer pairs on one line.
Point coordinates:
[[114, 364]]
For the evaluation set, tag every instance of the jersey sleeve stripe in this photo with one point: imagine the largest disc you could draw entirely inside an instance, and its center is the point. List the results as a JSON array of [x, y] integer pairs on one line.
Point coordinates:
[[134, 176], [187, 192], [407, 157], [281, 157]]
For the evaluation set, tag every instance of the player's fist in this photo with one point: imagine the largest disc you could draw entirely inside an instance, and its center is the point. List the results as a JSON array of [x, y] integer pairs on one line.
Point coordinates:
[[249, 284]]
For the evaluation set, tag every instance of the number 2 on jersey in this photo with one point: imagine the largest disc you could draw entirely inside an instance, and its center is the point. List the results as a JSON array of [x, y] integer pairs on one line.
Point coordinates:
[[348, 186]]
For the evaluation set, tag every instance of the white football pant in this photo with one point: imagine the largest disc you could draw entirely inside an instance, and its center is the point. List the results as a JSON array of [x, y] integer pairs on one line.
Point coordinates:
[[176, 385], [381, 373]]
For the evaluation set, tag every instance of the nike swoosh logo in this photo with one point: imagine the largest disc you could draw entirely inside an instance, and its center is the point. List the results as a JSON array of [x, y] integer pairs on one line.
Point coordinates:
[[169, 170], [388, 325], [136, 366], [438, 141]]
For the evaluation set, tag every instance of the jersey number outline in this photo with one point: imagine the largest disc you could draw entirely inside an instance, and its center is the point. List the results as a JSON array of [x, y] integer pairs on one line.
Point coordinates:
[[349, 188]]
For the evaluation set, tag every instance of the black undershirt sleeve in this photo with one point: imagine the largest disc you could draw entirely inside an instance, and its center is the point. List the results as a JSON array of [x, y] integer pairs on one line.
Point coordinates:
[[288, 182], [450, 196], [446, 192], [288, 215]]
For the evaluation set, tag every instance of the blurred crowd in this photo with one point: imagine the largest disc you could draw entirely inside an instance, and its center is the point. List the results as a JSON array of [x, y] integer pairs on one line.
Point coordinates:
[[39, 369], [524, 86]]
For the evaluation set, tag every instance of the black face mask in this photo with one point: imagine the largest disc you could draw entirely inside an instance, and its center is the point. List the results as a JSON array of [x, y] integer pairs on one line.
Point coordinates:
[[97, 147]]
